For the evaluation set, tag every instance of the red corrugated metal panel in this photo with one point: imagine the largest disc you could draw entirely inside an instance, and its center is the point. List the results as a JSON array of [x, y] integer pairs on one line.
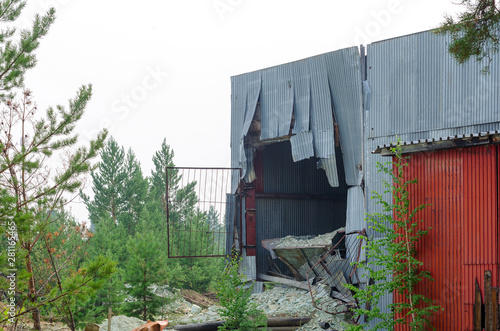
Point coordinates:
[[461, 186]]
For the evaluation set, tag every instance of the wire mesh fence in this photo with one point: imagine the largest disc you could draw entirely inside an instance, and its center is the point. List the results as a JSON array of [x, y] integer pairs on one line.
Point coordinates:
[[337, 267], [201, 211]]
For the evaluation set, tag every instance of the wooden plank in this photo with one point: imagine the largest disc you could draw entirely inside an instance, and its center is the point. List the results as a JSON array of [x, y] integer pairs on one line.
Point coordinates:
[[478, 305], [488, 307], [494, 308]]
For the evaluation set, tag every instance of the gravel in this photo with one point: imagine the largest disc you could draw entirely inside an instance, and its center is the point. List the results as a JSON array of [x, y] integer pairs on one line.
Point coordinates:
[[278, 301]]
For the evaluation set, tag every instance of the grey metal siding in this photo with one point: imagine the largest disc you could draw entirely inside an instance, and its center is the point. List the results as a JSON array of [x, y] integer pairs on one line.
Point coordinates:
[[417, 87], [344, 76], [306, 91]]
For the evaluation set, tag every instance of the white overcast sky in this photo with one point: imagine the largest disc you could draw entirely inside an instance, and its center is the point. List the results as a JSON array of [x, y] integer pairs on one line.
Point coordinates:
[[161, 68]]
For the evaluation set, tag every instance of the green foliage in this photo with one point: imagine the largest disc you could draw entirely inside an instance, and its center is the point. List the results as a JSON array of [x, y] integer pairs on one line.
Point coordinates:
[[475, 33], [119, 187], [142, 270], [17, 53], [392, 265], [237, 309]]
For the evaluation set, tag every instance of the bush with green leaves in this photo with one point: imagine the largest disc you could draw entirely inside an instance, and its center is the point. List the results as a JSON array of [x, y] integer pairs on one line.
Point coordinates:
[[239, 312], [393, 266]]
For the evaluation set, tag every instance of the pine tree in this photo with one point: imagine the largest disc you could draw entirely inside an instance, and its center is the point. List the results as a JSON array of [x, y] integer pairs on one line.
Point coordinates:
[[135, 191], [39, 194], [162, 159], [108, 184], [109, 240], [17, 54], [143, 269], [475, 33]]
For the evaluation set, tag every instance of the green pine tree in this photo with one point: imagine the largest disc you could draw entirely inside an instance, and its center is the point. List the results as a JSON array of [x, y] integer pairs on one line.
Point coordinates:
[[109, 240], [143, 269], [135, 192], [17, 52], [108, 184], [162, 159], [29, 145], [475, 33]]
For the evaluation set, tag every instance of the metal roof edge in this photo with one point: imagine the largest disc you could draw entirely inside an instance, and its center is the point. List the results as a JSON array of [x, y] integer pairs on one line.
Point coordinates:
[[298, 60], [433, 144]]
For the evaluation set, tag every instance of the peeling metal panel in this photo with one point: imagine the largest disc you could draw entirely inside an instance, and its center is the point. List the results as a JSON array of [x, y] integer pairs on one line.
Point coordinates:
[[302, 96], [302, 146], [355, 215], [344, 76], [329, 165], [307, 90], [418, 87], [238, 97], [282, 175], [276, 101], [321, 109]]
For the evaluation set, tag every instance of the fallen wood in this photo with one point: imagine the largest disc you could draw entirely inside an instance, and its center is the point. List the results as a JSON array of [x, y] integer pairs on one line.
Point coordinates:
[[276, 323], [209, 326], [287, 321], [197, 298]]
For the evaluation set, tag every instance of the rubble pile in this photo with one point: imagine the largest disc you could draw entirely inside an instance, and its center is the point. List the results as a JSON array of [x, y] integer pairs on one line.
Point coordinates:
[[278, 301], [307, 241]]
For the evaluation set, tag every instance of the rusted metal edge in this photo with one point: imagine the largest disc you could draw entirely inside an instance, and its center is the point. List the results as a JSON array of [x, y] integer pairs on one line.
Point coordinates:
[[440, 144]]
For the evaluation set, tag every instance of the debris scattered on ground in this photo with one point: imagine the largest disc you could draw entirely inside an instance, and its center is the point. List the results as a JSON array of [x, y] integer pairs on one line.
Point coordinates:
[[307, 241], [121, 323], [278, 301], [197, 298]]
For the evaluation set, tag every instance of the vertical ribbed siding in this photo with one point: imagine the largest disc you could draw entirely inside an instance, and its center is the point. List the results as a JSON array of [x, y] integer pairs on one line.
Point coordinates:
[[302, 146], [237, 119], [417, 87], [344, 76], [460, 186], [301, 96], [278, 218], [307, 89], [282, 175]]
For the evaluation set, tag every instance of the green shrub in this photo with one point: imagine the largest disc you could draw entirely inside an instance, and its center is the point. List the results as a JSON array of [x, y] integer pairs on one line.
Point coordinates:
[[237, 309]]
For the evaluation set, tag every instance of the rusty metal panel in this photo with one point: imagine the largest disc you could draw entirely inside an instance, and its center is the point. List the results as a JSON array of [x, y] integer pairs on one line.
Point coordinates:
[[460, 186]]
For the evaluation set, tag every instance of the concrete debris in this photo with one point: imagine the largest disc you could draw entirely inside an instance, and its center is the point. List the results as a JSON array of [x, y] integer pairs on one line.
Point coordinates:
[[307, 241], [278, 301]]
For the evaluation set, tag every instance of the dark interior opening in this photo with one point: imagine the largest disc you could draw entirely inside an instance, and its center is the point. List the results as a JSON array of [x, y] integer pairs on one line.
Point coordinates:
[[294, 198]]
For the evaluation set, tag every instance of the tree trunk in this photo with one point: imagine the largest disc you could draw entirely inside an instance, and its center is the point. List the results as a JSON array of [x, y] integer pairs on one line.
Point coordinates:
[[32, 292], [145, 311]]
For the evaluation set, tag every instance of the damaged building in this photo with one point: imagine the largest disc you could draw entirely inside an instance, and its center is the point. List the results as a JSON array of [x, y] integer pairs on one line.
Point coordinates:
[[308, 135]]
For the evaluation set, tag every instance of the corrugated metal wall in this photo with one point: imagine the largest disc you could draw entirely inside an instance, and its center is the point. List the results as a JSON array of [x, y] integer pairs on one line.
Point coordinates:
[[461, 188], [279, 217], [417, 87]]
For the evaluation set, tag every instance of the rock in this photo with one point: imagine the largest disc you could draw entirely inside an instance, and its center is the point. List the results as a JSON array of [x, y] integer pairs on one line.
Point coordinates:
[[195, 309], [121, 323], [92, 327]]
